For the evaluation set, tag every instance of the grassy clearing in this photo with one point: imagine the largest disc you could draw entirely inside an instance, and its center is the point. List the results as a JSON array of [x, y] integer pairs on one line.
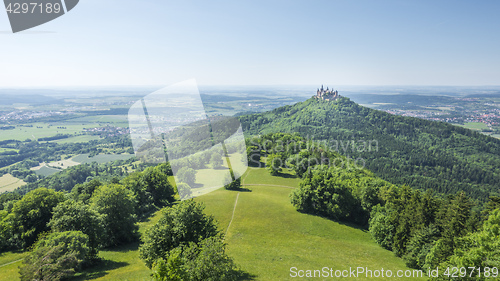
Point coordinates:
[[268, 236], [9, 183]]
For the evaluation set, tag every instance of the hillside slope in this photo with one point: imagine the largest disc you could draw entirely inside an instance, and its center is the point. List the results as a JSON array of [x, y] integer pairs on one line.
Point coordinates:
[[403, 150], [266, 237]]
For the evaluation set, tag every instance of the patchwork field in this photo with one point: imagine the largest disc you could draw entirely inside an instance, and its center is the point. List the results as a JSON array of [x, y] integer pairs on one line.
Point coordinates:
[[9, 183], [47, 169]]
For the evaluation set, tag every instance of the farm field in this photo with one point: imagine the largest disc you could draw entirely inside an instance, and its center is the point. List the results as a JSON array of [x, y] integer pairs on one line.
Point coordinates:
[[117, 120], [44, 170], [478, 126], [9, 183], [75, 139], [100, 158], [4, 149], [42, 130]]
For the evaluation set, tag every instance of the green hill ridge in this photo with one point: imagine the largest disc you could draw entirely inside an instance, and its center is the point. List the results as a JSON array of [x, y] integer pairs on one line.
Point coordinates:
[[402, 150]]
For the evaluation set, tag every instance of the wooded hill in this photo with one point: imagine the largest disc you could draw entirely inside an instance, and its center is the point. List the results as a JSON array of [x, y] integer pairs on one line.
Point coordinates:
[[402, 150]]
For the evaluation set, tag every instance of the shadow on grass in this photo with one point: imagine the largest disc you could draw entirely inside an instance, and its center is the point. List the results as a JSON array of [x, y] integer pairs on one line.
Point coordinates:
[[255, 164], [102, 267], [99, 270], [246, 276], [286, 176], [241, 189], [345, 223]]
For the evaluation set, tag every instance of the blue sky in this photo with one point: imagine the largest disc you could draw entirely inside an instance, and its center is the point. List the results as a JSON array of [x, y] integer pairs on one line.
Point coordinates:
[[254, 42]]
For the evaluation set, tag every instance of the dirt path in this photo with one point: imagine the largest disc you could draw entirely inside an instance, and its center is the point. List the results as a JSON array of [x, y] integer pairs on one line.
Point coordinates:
[[232, 217], [10, 262]]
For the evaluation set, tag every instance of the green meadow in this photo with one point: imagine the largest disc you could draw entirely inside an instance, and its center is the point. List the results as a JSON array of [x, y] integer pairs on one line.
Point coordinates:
[[266, 237]]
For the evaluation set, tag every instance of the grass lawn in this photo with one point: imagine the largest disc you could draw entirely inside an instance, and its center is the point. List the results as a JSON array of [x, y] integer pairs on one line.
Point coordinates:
[[9, 183]]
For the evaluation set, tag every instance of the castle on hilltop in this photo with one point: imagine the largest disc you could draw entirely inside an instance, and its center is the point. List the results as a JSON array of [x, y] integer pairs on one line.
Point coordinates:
[[326, 94]]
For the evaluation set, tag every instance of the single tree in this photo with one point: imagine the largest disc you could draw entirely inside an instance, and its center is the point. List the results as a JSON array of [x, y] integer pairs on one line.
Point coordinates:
[[216, 160], [55, 257], [182, 223], [116, 204], [76, 216], [33, 212], [187, 175]]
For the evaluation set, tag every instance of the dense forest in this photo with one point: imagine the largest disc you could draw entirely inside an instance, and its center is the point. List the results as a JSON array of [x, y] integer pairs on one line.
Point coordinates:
[[402, 150]]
